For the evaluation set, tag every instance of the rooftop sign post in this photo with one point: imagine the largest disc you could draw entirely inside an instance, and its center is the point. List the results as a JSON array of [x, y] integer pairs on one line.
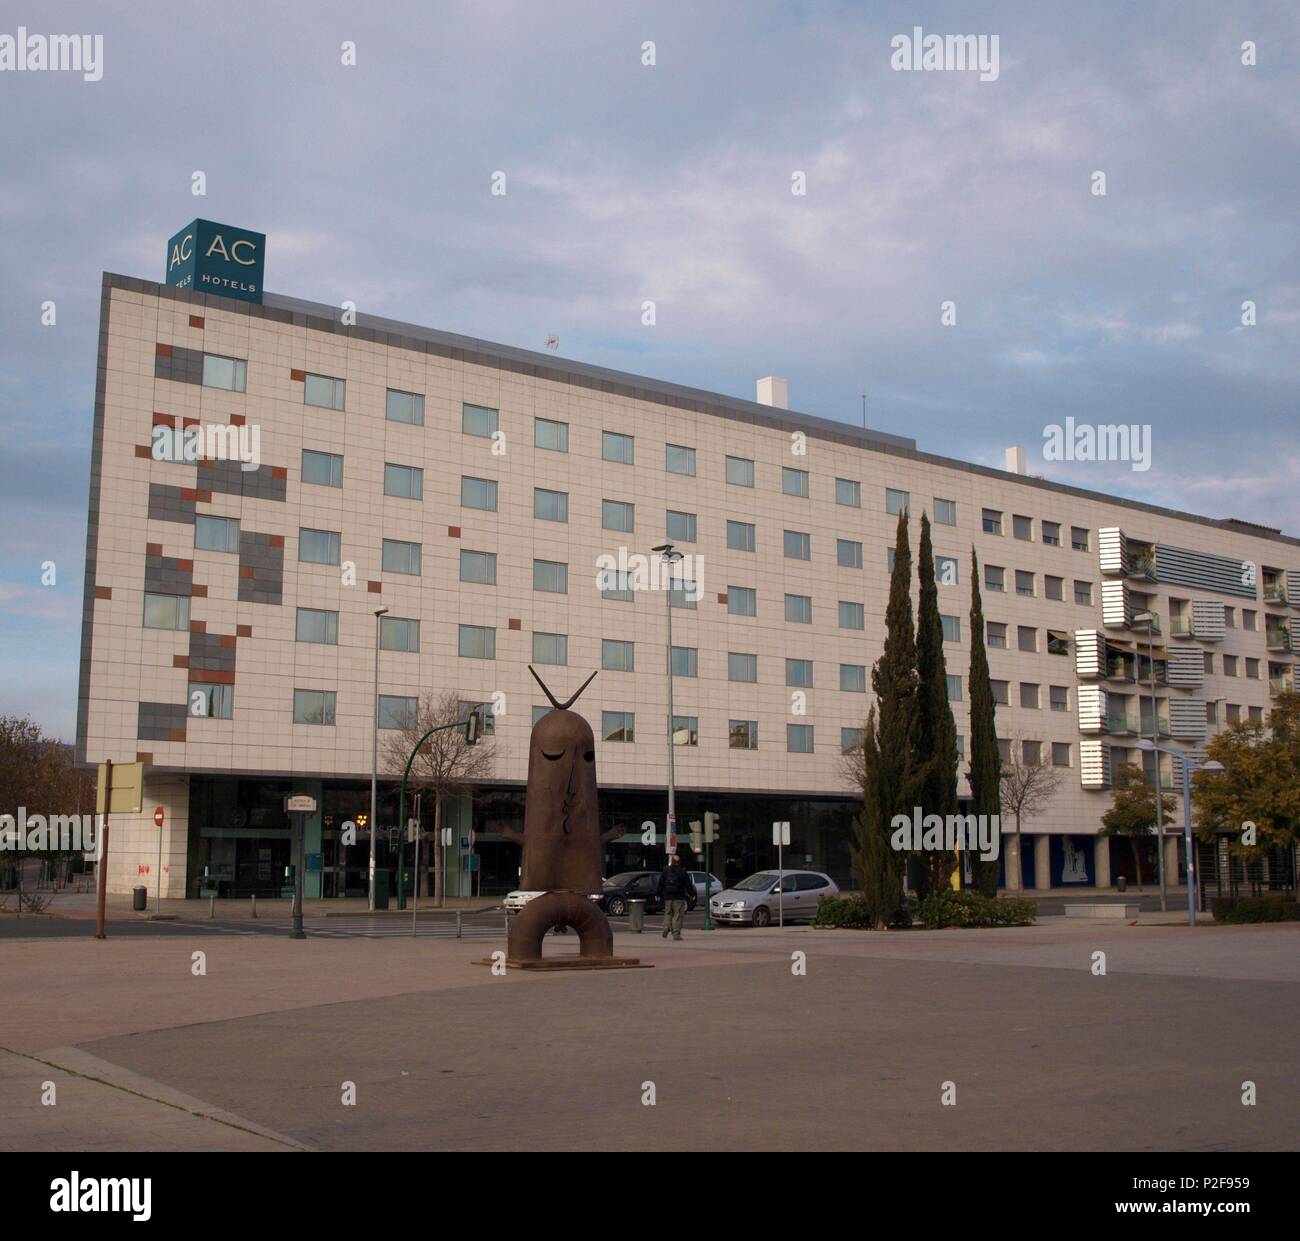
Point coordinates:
[[217, 258]]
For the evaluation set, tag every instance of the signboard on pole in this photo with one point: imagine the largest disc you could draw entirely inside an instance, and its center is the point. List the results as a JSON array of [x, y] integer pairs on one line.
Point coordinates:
[[670, 835], [300, 804], [127, 794], [780, 833]]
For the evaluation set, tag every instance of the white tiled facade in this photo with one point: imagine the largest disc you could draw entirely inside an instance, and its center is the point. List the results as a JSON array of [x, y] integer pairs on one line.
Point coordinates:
[[125, 664]]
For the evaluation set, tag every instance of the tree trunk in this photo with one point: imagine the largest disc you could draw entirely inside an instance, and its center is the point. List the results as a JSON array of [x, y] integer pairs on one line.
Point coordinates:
[[437, 848], [1015, 883], [1137, 860]]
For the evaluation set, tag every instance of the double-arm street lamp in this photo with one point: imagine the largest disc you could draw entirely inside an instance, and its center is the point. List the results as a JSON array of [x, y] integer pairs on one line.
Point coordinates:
[[1188, 768]]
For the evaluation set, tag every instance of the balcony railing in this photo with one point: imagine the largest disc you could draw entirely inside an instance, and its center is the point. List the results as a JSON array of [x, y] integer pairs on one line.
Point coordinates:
[[1142, 565], [1275, 592], [1280, 685]]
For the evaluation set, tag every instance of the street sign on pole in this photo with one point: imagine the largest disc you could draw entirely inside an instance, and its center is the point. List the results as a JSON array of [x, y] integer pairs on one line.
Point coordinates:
[[670, 835], [127, 788], [780, 838]]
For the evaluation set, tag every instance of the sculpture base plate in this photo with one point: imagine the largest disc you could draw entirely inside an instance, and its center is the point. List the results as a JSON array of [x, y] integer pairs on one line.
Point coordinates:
[[574, 963]]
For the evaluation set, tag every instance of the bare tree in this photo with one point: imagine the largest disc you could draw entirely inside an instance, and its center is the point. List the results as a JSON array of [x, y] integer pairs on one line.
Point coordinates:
[[1026, 790], [444, 767]]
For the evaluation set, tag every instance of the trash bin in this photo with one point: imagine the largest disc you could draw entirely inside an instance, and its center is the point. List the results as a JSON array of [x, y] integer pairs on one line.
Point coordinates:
[[381, 889], [636, 916], [138, 898], [1121, 883]]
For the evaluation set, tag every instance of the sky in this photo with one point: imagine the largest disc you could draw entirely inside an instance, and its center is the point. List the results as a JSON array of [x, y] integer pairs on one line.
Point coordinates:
[[666, 173]]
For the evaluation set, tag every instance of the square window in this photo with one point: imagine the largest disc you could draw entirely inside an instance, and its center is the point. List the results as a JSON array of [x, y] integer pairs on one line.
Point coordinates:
[[479, 493], [550, 648], [851, 615], [851, 740], [550, 435], [740, 536], [946, 571], [951, 628], [1061, 756], [848, 554], [1024, 583], [617, 726], [398, 633], [317, 626], [742, 734], [617, 447], [167, 612], [406, 482], [1052, 533], [404, 407], [1029, 694], [1022, 527], [896, 501], [799, 738], [617, 655], [324, 469], [479, 567], [1079, 538], [550, 505], [799, 673], [1001, 692], [398, 712], [477, 642], [1054, 587], [848, 491], [794, 482], [679, 460], [992, 521], [1059, 697], [1026, 638], [551, 577], [945, 512], [685, 730], [740, 472], [994, 578], [399, 557], [313, 706], [685, 661], [680, 527], [853, 678], [1083, 593], [798, 545], [995, 635], [208, 701], [741, 667], [227, 373], [742, 601], [615, 585], [318, 546], [617, 515], [216, 534], [798, 609], [323, 391], [479, 421]]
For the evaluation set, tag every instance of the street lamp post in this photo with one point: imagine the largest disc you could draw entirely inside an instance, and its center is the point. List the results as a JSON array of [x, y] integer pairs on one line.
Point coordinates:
[[1150, 619], [1188, 768], [669, 556], [374, 766]]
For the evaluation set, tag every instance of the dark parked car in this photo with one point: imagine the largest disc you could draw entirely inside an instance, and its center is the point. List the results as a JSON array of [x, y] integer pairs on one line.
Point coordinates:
[[631, 885]]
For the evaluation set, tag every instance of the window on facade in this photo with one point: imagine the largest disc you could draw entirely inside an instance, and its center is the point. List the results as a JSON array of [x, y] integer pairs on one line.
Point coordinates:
[[1026, 638], [616, 447], [1061, 755], [685, 730], [1229, 665], [794, 482], [951, 628], [680, 527], [1059, 697], [618, 515], [1052, 533], [400, 557], [318, 546], [853, 678], [616, 585], [1054, 587], [480, 567], [478, 420], [477, 642], [945, 512], [209, 701], [798, 609], [848, 491], [550, 435], [798, 545], [227, 373], [740, 472], [551, 577], [994, 577], [896, 501], [1079, 538], [318, 626], [995, 636], [617, 655], [399, 633], [1031, 753], [992, 521], [742, 667], [1029, 694], [851, 739], [848, 554], [851, 615], [323, 391], [550, 648], [313, 706], [216, 534], [1249, 620], [479, 493], [684, 593], [1025, 583], [685, 661], [740, 536], [1022, 527], [324, 469], [679, 459], [1252, 669], [799, 673], [404, 407], [1001, 692], [167, 612], [742, 601], [954, 687], [617, 726], [742, 734], [398, 711], [799, 738], [404, 481], [1058, 642], [1083, 593], [1004, 750], [550, 505]]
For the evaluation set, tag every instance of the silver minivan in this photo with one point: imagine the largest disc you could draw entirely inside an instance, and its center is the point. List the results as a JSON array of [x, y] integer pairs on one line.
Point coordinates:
[[773, 895]]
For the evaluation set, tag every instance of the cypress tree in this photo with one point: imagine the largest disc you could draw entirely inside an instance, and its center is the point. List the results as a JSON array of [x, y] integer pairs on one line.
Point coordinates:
[[876, 867], [936, 731], [985, 770]]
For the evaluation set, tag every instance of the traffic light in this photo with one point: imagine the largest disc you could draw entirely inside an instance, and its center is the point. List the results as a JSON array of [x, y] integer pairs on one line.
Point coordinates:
[[696, 840], [710, 826], [473, 723]]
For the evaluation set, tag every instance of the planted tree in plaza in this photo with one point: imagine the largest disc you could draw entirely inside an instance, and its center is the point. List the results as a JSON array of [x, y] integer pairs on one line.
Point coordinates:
[[445, 765], [1027, 788], [936, 734], [985, 770], [1132, 810], [877, 868]]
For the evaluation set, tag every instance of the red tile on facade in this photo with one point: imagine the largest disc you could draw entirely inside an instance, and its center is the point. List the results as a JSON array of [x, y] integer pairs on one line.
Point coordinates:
[[227, 641], [189, 422], [247, 571], [237, 420], [163, 351], [243, 631], [516, 624], [279, 471], [153, 549], [200, 592], [453, 532], [163, 420], [196, 320], [276, 540], [143, 450], [103, 592], [142, 756], [198, 626], [180, 661], [176, 734], [298, 376], [374, 587]]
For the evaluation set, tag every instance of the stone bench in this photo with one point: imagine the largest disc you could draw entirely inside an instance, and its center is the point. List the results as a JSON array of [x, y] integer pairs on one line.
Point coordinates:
[[1100, 909]]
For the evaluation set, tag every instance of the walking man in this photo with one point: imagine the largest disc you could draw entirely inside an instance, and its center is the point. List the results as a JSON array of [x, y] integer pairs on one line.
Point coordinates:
[[674, 887]]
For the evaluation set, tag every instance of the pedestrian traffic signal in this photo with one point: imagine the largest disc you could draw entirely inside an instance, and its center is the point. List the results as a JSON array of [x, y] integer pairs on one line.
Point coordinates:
[[710, 826], [473, 722]]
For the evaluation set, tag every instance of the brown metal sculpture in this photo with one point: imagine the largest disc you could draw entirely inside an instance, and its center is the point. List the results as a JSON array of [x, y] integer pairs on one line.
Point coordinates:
[[561, 838]]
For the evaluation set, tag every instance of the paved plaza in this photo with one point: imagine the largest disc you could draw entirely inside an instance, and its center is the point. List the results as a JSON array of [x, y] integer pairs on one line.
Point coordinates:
[[736, 1048]]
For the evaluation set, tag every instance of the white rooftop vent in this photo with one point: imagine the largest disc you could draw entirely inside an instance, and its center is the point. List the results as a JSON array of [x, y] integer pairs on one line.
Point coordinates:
[[773, 391], [1015, 460]]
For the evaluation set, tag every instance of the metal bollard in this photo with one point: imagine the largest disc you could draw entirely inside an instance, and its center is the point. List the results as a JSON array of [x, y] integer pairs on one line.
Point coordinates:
[[507, 924], [212, 906], [254, 904], [458, 924]]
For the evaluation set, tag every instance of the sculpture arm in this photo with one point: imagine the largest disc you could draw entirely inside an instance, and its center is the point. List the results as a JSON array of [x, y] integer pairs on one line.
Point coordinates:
[[514, 834]]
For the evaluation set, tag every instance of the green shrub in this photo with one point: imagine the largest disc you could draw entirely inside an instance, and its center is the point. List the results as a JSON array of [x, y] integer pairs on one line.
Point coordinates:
[[1241, 909], [971, 908], [844, 911]]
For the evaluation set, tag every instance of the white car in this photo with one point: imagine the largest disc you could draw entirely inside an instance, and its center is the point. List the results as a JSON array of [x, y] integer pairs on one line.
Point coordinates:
[[515, 901], [771, 895], [698, 878]]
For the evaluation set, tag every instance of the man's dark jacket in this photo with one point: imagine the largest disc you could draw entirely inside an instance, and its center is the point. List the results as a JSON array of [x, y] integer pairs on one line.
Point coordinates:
[[675, 884]]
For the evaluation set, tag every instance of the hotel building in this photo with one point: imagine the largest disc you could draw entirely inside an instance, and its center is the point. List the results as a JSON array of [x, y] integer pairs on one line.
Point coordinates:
[[471, 489]]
